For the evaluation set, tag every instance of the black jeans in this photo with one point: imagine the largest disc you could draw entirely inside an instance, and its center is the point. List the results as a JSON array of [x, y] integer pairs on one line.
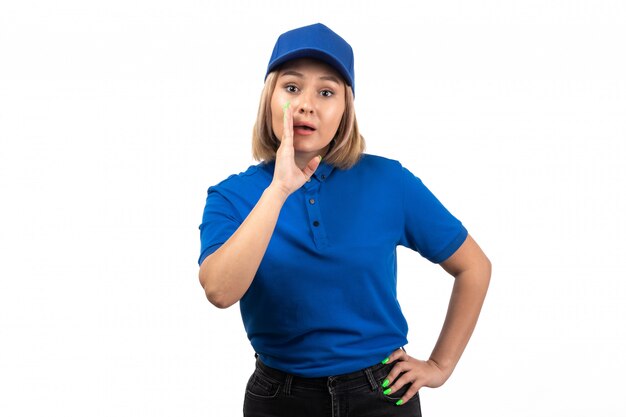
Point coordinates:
[[273, 393]]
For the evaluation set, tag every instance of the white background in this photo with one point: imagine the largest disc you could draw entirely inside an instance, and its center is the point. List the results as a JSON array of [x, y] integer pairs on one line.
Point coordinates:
[[116, 116]]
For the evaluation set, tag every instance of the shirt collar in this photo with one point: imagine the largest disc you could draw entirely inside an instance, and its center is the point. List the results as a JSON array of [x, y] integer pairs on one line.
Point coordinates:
[[322, 172]]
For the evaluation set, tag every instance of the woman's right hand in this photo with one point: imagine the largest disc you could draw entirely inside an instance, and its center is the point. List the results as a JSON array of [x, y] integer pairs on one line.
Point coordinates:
[[226, 275], [288, 177]]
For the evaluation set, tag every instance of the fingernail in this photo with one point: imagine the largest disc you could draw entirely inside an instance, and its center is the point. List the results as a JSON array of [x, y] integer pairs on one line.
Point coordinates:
[[385, 383], [320, 157], [387, 391], [399, 402], [286, 105], [385, 361]]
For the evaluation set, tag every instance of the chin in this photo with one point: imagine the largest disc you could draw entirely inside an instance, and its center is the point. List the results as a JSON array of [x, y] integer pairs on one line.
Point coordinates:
[[304, 147], [308, 146], [307, 149]]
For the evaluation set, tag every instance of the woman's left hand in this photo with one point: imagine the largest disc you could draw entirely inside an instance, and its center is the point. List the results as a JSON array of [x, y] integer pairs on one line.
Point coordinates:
[[415, 372]]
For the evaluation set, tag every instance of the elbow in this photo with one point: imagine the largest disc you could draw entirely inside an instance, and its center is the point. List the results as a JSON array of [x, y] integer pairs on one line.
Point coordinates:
[[215, 295], [219, 300], [486, 272], [483, 266]]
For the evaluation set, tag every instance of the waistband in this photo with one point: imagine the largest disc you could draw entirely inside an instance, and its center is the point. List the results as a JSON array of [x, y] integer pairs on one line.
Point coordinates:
[[367, 376]]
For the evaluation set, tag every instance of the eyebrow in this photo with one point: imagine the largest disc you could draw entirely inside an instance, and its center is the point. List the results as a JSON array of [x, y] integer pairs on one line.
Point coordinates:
[[323, 77]]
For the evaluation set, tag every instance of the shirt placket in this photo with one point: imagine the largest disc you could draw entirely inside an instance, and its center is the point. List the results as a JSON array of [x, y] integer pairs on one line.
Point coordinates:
[[316, 223]]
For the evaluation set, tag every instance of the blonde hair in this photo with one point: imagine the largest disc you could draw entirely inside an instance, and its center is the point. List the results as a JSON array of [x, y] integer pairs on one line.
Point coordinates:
[[346, 147]]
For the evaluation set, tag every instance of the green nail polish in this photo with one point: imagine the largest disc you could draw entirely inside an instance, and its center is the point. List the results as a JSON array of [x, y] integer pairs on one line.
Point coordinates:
[[385, 383], [385, 361], [387, 391], [286, 105], [399, 402]]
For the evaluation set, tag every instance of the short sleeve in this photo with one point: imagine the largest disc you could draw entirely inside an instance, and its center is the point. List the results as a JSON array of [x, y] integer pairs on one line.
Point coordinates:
[[429, 228], [219, 221]]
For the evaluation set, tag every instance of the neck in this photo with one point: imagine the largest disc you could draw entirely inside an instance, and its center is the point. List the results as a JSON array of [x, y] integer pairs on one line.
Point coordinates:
[[303, 158]]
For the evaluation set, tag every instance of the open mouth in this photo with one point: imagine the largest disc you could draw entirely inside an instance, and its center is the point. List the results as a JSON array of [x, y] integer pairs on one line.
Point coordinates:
[[304, 127]]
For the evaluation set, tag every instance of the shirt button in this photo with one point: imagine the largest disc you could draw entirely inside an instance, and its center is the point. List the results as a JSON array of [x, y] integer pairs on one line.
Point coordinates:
[[312, 201], [323, 176], [316, 223]]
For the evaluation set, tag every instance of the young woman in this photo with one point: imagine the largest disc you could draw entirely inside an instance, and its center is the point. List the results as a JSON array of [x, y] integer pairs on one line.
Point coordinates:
[[306, 242]]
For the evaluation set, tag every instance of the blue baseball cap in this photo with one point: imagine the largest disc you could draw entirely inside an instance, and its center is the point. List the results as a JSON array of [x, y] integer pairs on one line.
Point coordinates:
[[314, 41]]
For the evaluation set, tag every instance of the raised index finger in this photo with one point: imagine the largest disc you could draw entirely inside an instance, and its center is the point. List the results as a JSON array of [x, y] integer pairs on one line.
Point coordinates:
[[287, 138]]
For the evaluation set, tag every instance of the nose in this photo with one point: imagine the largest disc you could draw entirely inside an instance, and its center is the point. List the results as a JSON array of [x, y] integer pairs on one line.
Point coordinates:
[[305, 108], [305, 104]]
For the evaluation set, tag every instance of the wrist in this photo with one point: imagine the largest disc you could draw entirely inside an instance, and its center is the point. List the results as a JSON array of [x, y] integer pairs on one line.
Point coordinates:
[[277, 191], [445, 367]]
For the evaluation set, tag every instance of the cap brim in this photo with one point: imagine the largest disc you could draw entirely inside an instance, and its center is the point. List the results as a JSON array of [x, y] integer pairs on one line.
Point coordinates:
[[312, 53]]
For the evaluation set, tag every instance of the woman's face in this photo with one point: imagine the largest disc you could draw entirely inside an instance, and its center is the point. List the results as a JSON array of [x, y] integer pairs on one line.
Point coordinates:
[[316, 92]]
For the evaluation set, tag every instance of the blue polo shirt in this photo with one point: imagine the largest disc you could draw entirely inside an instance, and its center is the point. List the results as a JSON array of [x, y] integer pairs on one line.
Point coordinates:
[[323, 301]]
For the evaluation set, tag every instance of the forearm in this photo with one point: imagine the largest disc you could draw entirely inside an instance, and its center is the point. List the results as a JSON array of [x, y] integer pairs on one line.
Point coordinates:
[[468, 294], [227, 273]]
